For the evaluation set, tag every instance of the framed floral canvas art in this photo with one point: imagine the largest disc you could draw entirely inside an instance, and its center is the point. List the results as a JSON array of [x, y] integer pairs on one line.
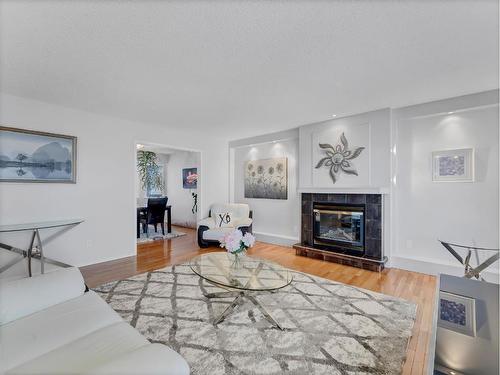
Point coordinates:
[[266, 178]]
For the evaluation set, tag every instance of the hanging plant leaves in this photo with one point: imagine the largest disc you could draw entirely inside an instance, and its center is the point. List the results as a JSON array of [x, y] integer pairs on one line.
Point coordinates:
[[149, 170]]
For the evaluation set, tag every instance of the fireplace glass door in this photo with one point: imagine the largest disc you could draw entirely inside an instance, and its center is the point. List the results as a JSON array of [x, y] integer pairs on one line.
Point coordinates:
[[339, 225]]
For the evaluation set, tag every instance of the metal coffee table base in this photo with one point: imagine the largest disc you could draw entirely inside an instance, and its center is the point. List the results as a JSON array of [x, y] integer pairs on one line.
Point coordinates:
[[239, 295]]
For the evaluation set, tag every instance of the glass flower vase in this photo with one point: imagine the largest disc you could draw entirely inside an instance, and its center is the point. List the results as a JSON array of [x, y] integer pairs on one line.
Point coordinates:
[[237, 259]]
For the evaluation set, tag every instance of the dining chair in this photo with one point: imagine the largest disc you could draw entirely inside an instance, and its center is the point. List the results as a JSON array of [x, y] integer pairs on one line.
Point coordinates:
[[155, 214]]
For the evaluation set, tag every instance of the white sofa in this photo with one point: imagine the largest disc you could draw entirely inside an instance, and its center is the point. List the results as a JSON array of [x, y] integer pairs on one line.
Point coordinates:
[[50, 324], [211, 230]]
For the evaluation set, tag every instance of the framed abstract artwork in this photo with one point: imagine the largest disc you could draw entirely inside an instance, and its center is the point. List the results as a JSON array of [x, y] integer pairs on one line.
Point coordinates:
[[33, 156], [266, 178], [190, 178], [457, 313], [453, 165]]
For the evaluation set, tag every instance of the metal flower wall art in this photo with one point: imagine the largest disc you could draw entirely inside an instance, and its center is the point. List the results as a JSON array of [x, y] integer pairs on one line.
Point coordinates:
[[338, 158]]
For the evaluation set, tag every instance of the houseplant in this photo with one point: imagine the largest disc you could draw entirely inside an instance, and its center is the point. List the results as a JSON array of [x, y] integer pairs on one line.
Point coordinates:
[[149, 170]]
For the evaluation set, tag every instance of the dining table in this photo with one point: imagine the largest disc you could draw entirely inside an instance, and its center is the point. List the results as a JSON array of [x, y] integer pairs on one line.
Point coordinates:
[[144, 209]]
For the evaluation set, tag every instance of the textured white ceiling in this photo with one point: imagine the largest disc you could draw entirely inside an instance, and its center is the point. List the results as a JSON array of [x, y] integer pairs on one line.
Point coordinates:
[[242, 68]]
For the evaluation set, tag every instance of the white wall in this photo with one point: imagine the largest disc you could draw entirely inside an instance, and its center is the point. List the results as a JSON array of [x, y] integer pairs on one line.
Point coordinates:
[[180, 198], [465, 213], [104, 194], [275, 221]]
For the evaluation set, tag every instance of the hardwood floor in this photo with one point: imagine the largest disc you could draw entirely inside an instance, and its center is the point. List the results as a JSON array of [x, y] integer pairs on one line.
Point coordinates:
[[416, 287]]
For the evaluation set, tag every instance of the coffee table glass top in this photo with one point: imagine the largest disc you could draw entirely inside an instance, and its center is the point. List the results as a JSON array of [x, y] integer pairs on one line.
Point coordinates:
[[246, 273]]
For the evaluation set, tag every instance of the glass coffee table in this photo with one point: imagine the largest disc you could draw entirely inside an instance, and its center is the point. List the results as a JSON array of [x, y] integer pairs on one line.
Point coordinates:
[[242, 277]]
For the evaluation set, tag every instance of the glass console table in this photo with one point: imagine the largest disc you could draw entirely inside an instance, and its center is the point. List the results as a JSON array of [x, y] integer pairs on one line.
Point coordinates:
[[35, 249], [242, 277]]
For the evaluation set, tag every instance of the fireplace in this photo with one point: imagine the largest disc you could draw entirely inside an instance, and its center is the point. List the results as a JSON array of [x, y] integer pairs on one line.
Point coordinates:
[[339, 225], [343, 228]]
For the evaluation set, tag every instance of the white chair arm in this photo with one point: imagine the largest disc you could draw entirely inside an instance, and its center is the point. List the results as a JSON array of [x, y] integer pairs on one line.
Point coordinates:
[[19, 298], [208, 222], [244, 222], [150, 359]]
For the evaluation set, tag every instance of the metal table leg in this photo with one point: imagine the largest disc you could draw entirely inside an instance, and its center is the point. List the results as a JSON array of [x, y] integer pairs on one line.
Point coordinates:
[[264, 311], [222, 294], [34, 251], [40, 250], [239, 296], [228, 309], [30, 252], [469, 270], [474, 272]]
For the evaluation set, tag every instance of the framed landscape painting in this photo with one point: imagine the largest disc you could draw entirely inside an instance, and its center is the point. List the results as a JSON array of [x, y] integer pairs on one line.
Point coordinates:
[[453, 165], [266, 178], [32, 156]]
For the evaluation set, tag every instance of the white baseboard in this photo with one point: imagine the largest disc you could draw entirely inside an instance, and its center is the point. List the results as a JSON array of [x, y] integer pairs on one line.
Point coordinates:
[[275, 239], [430, 267]]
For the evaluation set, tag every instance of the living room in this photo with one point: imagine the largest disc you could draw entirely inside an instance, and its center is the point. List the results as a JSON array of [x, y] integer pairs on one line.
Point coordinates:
[[334, 207]]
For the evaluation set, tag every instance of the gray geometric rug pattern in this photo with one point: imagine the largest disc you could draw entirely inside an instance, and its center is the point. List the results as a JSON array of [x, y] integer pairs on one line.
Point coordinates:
[[330, 328]]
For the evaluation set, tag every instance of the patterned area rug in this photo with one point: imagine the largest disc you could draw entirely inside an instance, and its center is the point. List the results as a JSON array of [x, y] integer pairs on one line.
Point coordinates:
[[330, 328]]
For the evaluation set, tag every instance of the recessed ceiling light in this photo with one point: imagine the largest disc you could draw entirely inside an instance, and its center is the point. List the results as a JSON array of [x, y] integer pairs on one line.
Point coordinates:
[[450, 113], [334, 115], [275, 141]]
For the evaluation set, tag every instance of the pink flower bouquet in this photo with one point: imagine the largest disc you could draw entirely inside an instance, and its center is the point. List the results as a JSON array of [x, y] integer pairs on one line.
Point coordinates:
[[235, 242]]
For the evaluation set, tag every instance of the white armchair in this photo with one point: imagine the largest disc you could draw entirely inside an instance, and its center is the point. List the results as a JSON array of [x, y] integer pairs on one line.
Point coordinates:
[[223, 218]]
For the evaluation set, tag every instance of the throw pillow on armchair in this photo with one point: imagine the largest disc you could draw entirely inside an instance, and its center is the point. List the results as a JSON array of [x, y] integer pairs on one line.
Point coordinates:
[[223, 219]]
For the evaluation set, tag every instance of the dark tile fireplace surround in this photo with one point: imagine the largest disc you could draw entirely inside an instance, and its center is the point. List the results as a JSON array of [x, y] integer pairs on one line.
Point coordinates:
[[343, 228]]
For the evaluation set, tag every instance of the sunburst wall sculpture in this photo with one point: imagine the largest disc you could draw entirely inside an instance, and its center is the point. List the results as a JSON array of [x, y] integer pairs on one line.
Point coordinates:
[[338, 158]]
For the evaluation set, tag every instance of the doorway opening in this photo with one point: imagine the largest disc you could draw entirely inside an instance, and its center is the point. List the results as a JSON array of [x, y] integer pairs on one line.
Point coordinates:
[[167, 190]]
